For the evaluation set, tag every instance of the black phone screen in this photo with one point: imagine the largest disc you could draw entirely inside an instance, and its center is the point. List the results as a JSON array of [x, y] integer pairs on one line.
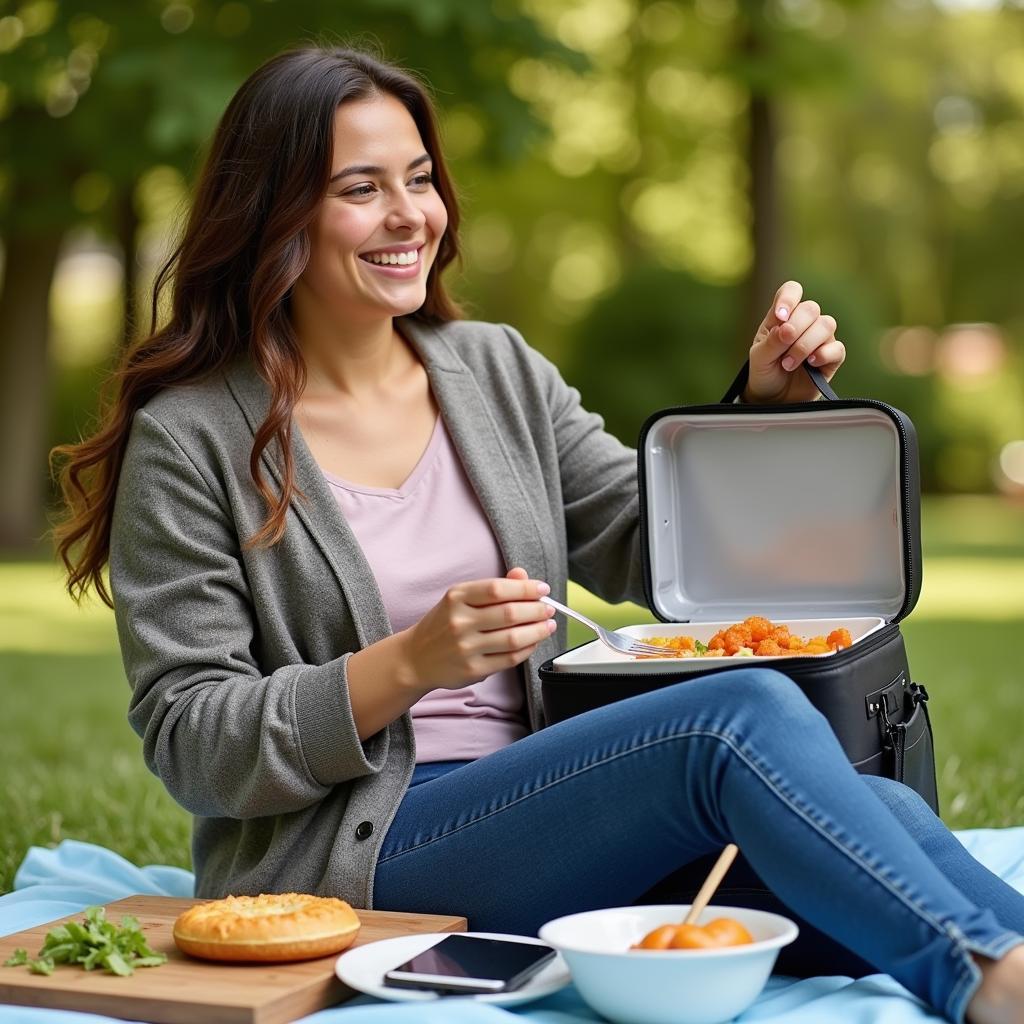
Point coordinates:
[[462, 960]]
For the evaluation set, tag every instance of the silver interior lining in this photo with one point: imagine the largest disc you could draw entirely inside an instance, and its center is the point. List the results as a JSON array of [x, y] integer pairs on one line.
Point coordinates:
[[796, 515]]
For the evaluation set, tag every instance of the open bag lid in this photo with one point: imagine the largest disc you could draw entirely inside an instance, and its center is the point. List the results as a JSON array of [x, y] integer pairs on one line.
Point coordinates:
[[809, 510]]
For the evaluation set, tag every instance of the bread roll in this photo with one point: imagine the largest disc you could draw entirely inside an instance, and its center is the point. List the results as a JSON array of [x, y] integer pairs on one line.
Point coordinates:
[[287, 926]]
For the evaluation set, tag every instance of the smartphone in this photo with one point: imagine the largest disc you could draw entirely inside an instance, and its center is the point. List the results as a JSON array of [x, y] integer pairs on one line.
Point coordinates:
[[471, 964]]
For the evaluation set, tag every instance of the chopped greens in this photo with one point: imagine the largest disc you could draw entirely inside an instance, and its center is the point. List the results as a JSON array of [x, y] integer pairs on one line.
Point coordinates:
[[699, 647], [95, 942]]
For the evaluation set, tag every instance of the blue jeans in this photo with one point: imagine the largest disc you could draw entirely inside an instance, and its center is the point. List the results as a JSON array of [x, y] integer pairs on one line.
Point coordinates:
[[628, 803]]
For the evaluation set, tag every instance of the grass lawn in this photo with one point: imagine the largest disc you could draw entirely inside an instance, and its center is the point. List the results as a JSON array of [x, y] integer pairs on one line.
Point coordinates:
[[72, 768]]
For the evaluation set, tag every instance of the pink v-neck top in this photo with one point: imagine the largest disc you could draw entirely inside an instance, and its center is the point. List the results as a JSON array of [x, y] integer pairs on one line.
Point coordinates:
[[419, 539]]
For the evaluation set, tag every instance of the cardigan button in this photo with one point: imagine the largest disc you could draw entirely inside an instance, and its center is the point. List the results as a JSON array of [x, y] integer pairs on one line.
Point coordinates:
[[364, 830]]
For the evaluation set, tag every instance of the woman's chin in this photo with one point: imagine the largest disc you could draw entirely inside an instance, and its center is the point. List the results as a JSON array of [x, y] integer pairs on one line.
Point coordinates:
[[402, 305]]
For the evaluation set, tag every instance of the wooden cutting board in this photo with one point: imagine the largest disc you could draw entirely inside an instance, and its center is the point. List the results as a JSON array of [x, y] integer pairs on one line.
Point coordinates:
[[189, 991]]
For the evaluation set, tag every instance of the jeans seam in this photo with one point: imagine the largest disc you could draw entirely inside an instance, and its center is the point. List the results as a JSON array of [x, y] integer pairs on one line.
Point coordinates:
[[851, 855], [952, 1007]]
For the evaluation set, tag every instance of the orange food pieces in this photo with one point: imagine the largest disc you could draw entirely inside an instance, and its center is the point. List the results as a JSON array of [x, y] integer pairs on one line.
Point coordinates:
[[754, 635], [759, 628], [660, 938], [680, 646], [735, 639], [693, 936], [728, 932], [840, 638], [722, 931], [835, 641]]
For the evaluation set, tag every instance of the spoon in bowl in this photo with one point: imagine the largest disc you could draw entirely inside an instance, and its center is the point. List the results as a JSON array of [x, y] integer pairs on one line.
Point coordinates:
[[712, 882]]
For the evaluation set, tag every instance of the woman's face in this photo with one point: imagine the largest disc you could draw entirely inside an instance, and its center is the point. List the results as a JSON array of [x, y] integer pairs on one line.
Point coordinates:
[[378, 228]]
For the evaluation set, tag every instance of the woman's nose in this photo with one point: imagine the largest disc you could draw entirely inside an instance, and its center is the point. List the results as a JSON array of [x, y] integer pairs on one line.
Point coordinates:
[[405, 213]]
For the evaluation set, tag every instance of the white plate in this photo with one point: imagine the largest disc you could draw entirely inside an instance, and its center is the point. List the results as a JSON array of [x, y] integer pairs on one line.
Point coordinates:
[[363, 969], [596, 657]]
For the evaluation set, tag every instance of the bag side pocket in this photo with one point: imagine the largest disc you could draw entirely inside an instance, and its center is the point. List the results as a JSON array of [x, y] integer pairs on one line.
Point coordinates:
[[910, 748]]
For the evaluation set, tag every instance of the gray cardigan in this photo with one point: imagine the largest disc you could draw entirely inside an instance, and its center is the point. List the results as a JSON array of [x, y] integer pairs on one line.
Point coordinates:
[[237, 658]]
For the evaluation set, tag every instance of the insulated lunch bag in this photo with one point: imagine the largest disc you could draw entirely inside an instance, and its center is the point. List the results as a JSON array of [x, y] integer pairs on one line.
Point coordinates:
[[807, 514]]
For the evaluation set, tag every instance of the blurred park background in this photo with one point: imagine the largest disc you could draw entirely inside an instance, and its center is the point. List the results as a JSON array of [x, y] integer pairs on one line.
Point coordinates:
[[637, 177]]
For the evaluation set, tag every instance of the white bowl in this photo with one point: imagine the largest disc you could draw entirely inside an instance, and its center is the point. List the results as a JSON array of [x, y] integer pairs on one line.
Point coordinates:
[[672, 986]]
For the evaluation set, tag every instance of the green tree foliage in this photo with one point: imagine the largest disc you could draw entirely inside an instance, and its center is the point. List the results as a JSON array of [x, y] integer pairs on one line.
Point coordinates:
[[661, 338], [900, 172], [605, 149], [96, 92]]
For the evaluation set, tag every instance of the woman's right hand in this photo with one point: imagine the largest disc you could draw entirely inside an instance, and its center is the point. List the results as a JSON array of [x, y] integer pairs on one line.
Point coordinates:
[[476, 629]]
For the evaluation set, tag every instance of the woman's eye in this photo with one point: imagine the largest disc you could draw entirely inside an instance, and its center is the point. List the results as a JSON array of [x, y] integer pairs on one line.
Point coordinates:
[[360, 190], [423, 179]]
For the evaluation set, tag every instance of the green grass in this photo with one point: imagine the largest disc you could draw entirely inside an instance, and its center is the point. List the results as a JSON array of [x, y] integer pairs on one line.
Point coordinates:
[[70, 766]]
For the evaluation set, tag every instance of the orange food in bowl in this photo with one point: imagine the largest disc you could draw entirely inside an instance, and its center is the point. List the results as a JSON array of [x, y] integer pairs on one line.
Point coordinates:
[[722, 931], [694, 936], [729, 932], [660, 938]]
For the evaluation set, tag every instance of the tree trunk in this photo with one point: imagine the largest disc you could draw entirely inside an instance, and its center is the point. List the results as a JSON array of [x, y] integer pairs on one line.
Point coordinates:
[[127, 227], [632, 247], [766, 270], [30, 262], [765, 273]]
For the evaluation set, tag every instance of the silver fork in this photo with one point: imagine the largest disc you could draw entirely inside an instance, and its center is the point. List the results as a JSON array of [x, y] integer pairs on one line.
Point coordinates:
[[616, 641]]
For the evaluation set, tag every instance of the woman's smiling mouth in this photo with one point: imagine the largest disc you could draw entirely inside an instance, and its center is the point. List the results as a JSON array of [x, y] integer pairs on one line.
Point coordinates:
[[396, 261]]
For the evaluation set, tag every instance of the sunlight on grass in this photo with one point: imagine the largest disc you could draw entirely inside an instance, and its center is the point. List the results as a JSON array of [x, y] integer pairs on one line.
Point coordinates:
[[73, 768], [972, 588], [36, 614]]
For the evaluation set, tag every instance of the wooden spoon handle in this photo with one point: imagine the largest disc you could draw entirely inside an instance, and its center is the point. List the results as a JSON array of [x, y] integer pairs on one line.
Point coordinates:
[[712, 882]]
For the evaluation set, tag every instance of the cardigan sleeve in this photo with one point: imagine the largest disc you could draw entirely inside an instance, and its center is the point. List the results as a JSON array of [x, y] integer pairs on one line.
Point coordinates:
[[225, 739], [600, 495]]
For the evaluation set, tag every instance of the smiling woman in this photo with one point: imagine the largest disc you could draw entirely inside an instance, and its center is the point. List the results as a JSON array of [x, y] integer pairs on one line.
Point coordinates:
[[277, 203], [330, 509], [377, 233], [372, 243]]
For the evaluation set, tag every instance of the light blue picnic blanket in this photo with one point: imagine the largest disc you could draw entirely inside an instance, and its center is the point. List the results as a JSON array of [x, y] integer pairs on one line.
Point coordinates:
[[62, 881]]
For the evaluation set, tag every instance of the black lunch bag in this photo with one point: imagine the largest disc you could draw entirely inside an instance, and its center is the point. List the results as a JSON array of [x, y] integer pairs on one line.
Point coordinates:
[[795, 512]]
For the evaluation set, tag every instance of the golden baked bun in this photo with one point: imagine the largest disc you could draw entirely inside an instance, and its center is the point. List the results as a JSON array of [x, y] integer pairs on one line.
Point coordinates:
[[288, 926]]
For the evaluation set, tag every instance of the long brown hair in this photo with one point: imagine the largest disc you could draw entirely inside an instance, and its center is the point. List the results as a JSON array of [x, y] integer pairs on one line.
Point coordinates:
[[244, 247]]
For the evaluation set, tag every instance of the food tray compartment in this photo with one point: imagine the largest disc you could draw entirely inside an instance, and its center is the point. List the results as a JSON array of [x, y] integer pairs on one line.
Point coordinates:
[[596, 658]]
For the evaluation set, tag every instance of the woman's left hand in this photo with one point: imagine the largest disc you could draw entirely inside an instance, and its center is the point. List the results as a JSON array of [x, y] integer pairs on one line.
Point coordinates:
[[792, 332]]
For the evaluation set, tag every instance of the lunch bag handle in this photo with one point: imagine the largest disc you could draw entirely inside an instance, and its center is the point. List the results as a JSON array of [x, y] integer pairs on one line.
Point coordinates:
[[737, 386]]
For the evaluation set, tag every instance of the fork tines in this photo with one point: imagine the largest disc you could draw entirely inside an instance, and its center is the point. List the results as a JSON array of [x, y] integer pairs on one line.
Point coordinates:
[[642, 648]]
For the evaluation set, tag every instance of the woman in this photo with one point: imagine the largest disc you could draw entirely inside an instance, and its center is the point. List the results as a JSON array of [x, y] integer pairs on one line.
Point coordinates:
[[309, 490]]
